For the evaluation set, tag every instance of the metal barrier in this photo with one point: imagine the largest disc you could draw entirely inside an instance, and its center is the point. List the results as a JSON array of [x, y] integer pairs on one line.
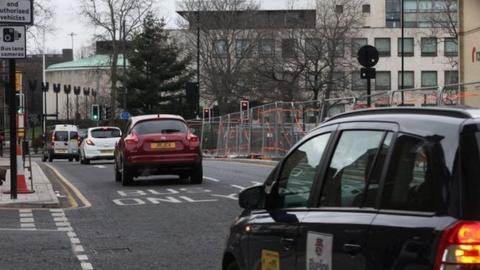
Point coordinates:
[[269, 131]]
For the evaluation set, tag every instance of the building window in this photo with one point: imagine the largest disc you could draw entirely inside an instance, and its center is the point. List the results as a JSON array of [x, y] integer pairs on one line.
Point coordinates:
[[313, 47], [383, 80], [220, 48], [408, 47], [429, 78], [357, 43], [383, 46], [288, 48], [392, 13], [408, 79], [339, 8], [357, 82], [266, 47], [424, 5], [410, 6], [451, 47], [451, 77], [429, 46], [366, 8], [241, 48]]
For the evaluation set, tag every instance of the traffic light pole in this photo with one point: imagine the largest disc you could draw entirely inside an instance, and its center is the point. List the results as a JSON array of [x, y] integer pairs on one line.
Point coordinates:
[[13, 130]]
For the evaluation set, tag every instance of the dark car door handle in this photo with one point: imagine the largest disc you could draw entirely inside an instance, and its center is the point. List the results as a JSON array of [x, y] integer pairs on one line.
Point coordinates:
[[287, 242], [352, 249]]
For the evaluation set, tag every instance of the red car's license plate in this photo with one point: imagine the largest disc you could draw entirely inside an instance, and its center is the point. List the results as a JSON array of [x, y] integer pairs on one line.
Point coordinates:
[[163, 145]]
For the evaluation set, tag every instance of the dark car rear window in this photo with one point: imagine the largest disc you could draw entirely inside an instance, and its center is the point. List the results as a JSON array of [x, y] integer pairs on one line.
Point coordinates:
[[160, 126], [105, 133], [61, 136]]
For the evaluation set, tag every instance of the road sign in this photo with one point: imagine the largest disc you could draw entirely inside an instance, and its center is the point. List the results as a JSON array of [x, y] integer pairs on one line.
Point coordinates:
[[16, 11], [13, 44], [124, 115], [367, 56]]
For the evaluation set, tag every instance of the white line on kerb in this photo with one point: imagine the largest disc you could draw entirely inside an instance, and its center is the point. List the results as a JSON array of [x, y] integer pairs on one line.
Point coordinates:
[[211, 179]]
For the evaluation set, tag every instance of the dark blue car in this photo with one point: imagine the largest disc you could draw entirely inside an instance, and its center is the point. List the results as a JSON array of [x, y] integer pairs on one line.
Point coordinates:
[[392, 188]]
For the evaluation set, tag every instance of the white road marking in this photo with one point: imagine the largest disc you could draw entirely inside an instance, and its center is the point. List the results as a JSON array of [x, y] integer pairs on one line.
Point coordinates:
[[26, 219], [256, 183], [62, 223], [239, 187], [232, 196], [100, 166], [211, 179]]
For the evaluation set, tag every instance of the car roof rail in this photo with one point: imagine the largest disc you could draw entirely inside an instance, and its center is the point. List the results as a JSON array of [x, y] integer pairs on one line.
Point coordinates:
[[457, 112]]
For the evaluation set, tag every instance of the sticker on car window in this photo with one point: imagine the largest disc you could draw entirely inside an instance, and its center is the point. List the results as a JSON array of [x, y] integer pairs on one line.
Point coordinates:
[[319, 251], [270, 260]]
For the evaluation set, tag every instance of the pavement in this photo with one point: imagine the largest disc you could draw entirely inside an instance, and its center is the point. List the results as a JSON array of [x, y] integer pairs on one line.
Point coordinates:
[[43, 196]]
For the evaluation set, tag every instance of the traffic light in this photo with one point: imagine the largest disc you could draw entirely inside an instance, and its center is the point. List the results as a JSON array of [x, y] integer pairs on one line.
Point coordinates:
[[206, 114], [244, 105], [95, 112], [108, 113]]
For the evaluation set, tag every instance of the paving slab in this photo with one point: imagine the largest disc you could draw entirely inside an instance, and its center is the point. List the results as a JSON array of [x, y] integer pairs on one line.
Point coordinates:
[[42, 197]]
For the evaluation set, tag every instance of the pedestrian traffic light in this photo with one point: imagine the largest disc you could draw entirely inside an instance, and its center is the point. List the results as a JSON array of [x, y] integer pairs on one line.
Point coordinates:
[[206, 114], [108, 113], [95, 112], [244, 105]]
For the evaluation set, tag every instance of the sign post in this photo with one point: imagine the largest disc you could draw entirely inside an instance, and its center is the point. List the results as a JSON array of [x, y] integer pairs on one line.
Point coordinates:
[[368, 57], [13, 45]]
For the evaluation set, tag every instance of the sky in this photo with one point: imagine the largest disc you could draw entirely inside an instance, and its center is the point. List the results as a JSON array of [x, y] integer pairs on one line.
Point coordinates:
[[68, 20]]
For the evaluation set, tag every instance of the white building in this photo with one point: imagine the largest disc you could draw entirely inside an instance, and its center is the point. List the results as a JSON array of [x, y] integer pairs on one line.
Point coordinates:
[[431, 53]]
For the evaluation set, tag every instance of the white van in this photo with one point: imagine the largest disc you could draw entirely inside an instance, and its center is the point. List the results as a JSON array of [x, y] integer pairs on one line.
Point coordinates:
[[61, 142]]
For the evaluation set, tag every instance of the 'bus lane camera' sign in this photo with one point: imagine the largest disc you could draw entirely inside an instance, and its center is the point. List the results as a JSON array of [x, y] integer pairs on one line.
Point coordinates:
[[12, 42]]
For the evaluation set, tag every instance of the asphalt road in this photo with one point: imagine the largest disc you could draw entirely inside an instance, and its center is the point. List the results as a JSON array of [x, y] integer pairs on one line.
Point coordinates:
[[158, 223]]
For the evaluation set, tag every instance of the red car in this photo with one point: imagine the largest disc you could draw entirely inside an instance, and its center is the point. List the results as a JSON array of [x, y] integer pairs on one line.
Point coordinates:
[[155, 145]]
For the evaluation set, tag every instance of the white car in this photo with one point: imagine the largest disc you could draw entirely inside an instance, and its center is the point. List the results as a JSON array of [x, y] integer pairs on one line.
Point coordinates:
[[99, 143]]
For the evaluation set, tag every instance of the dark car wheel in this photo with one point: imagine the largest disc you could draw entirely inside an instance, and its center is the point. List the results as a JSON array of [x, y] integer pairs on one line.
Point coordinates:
[[70, 159], [126, 176], [118, 175], [197, 175], [232, 266]]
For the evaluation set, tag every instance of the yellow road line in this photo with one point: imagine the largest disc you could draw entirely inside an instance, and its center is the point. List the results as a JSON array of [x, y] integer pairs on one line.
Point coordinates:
[[77, 192]]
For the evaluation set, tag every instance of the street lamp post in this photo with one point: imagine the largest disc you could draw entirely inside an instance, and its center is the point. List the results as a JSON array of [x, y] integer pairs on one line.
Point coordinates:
[[402, 48]]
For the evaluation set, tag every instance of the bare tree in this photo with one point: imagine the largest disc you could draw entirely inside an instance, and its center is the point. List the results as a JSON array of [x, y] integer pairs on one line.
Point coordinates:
[[325, 55], [444, 25], [117, 20], [43, 22], [227, 45]]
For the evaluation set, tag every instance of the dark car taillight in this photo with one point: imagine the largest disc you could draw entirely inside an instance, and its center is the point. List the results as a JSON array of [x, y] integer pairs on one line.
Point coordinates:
[[459, 247]]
